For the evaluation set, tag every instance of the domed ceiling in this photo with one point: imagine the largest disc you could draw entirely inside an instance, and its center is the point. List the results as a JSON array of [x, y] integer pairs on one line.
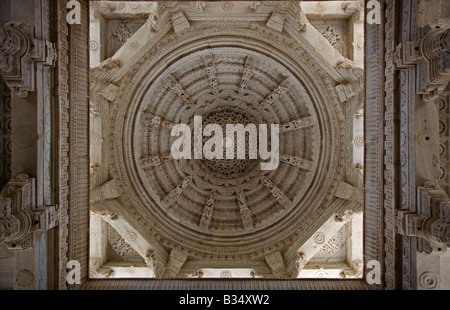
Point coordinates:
[[222, 211]]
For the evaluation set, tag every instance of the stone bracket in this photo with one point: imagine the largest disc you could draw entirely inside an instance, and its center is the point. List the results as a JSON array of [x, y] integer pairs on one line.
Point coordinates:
[[349, 192], [177, 259], [276, 263], [179, 21], [353, 85], [431, 223], [110, 92], [46, 218], [286, 12], [109, 190], [19, 217], [19, 53], [431, 58]]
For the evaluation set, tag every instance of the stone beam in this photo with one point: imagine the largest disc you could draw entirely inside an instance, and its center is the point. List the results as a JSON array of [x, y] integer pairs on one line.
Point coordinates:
[[211, 71], [154, 255], [155, 160], [318, 240], [349, 192], [178, 89], [116, 270], [149, 119], [247, 73], [276, 94]]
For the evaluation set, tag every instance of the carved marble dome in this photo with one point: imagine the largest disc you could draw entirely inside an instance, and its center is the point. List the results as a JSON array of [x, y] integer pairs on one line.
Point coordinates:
[[258, 69], [227, 207]]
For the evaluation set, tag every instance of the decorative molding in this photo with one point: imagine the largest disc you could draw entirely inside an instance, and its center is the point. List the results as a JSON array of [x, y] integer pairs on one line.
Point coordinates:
[[407, 98], [389, 136], [24, 279], [5, 134], [72, 133]]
